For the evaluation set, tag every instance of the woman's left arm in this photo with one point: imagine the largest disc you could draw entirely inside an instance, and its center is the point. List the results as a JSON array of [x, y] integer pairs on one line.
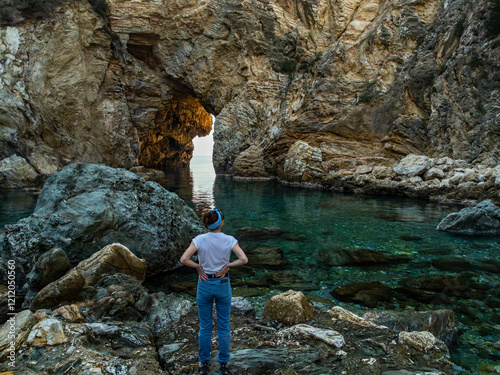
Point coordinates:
[[186, 260]]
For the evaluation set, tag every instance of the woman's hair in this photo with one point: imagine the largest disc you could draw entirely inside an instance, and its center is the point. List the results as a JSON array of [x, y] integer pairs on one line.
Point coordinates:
[[211, 217]]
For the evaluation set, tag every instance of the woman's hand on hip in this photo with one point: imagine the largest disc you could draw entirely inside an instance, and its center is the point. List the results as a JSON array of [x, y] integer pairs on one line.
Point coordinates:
[[223, 271], [201, 274]]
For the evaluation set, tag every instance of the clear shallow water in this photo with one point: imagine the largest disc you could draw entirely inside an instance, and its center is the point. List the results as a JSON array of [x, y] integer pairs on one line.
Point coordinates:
[[315, 220]]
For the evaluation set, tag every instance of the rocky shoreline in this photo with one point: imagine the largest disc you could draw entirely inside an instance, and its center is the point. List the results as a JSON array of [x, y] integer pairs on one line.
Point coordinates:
[[443, 180], [112, 324]]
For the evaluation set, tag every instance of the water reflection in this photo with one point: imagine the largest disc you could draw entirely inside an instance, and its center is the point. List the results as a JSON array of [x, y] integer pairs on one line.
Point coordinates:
[[193, 183]]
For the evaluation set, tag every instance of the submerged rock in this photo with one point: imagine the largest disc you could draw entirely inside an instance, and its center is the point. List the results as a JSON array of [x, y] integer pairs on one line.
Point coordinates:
[[482, 219], [367, 293], [267, 257], [347, 257], [86, 206], [259, 234]]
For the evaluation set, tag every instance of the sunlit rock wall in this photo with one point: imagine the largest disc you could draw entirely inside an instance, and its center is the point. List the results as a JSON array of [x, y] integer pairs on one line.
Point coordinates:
[[358, 82]]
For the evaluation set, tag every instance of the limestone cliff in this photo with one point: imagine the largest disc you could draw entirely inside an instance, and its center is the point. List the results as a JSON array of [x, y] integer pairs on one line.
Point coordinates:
[[357, 82]]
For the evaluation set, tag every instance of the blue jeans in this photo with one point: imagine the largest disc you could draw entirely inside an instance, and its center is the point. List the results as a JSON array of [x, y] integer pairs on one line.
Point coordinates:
[[208, 291]]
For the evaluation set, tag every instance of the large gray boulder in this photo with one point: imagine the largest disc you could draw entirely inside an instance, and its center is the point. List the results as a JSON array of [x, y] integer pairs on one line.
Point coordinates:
[[87, 206], [483, 219]]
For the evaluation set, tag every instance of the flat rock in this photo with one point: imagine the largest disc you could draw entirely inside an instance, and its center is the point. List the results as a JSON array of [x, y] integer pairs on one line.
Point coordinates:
[[257, 361], [266, 257]]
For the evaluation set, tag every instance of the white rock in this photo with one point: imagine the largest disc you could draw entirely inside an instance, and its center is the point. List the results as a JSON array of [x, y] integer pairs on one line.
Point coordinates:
[[433, 173], [328, 336], [413, 165]]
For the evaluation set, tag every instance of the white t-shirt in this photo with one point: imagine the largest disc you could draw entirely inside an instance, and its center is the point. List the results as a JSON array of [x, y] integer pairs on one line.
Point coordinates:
[[214, 250]]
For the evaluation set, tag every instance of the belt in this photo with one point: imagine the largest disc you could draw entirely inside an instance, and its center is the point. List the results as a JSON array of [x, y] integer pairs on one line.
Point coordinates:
[[212, 276]]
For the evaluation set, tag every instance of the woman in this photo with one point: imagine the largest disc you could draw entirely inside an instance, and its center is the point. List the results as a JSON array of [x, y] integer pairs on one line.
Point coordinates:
[[214, 250]]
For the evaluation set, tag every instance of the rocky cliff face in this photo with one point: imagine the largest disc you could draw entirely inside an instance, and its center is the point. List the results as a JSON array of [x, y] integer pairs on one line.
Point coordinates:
[[358, 83]]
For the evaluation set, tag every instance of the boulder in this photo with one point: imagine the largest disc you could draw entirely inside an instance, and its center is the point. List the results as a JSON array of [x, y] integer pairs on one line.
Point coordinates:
[[483, 219], [16, 172], [289, 308], [69, 313], [87, 206], [110, 260], [340, 315], [422, 341], [67, 288], [413, 165]]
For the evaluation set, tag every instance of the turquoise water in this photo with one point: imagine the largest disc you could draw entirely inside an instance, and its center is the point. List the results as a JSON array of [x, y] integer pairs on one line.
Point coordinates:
[[315, 221], [15, 205]]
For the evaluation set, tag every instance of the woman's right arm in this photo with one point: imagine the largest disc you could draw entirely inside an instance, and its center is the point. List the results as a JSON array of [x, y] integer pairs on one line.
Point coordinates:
[[186, 260]]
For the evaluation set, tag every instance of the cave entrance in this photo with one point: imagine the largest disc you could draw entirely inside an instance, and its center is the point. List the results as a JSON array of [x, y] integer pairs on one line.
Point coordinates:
[[170, 142]]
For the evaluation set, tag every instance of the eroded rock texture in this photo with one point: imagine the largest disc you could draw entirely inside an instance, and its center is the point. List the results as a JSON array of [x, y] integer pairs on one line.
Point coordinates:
[[356, 82]]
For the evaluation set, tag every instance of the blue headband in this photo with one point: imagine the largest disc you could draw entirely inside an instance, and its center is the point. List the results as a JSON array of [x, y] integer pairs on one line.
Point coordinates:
[[217, 224]]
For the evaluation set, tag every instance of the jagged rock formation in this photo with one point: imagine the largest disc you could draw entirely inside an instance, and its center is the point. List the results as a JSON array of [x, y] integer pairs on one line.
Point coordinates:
[[356, 82], [87, 206]]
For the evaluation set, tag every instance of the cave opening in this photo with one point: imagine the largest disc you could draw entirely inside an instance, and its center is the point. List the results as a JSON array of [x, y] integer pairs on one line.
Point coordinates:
[[169, 143]]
